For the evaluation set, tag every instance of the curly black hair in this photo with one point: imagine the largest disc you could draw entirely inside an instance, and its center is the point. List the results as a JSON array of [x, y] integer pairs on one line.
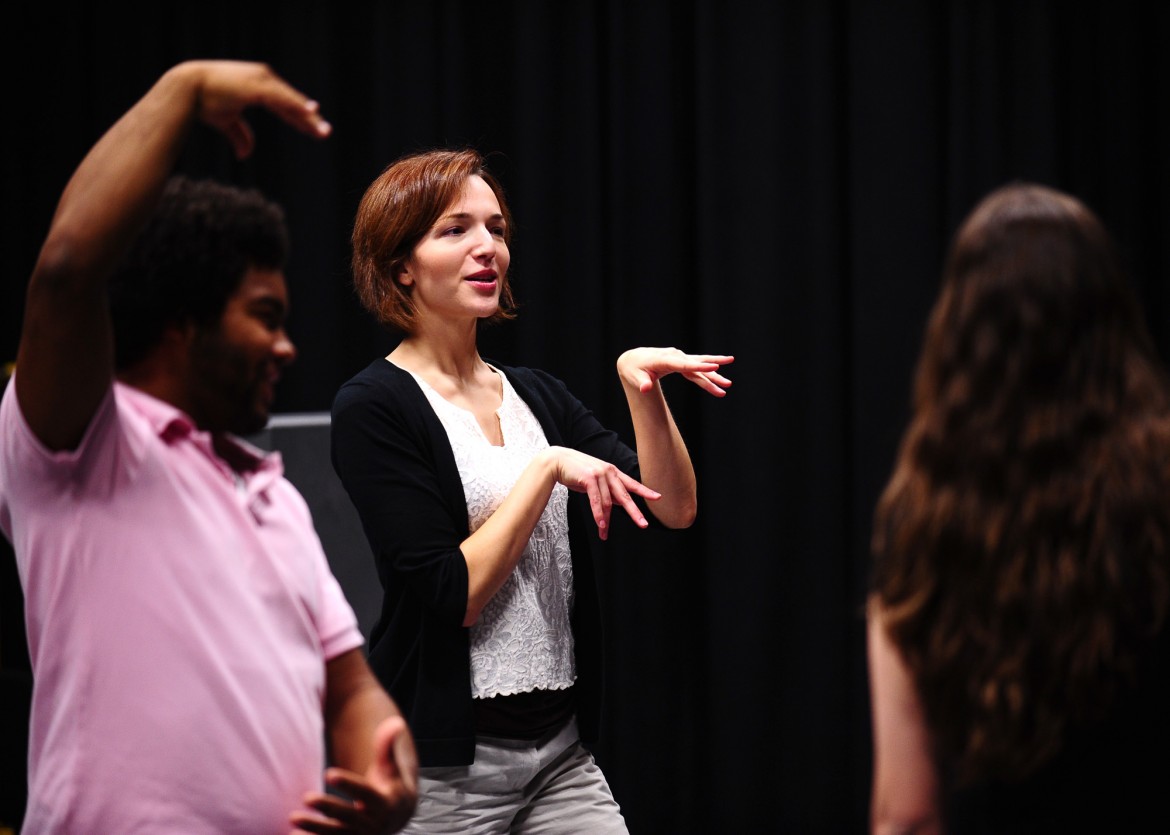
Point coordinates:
[[189, 259]]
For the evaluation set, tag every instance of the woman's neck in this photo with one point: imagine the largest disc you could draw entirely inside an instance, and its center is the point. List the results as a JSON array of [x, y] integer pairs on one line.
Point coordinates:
[[448, 352], [454, 369]]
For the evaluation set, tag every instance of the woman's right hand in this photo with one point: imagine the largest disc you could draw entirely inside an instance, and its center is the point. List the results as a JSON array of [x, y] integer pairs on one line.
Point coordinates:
[[497, 545], [604, 483]]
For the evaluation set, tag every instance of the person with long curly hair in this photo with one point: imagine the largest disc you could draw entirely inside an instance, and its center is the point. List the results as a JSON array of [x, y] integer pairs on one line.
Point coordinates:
[[1021, 573]]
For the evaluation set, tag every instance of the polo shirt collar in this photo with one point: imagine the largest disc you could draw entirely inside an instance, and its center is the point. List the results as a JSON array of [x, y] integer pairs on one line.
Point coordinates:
[[173, 425]]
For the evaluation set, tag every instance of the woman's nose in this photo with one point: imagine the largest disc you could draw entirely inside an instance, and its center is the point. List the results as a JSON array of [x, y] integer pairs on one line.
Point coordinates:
[[485, 243]]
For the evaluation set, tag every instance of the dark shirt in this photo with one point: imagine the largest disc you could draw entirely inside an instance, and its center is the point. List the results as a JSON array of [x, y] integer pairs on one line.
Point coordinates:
[[392, 455]]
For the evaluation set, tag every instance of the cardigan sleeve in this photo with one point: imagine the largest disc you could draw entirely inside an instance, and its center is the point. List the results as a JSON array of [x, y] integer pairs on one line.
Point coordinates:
[[568, 422], [389, 457]]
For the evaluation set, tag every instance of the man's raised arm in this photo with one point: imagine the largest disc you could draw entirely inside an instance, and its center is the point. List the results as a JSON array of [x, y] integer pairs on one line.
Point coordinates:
[[65, 361]]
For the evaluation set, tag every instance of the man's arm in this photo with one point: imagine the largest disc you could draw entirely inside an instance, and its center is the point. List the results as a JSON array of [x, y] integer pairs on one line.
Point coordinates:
[[376, 764], [65, 358]]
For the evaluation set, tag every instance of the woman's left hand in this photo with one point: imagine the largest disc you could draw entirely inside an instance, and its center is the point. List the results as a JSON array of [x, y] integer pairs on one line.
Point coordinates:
[[641, 368]]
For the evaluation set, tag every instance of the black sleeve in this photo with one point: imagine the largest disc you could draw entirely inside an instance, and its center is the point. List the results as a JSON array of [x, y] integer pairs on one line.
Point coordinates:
[[401, 478], [574, 425]]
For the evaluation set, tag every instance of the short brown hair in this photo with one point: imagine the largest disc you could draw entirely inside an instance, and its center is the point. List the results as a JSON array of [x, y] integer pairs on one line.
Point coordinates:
[[397, 210]]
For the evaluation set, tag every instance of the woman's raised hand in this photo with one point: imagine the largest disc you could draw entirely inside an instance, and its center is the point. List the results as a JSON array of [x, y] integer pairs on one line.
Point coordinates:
[[604, 483], [641, 368]]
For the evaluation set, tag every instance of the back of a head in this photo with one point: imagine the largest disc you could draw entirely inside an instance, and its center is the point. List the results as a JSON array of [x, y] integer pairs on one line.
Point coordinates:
[[189, 259], [1021, 543], [1034, 308]]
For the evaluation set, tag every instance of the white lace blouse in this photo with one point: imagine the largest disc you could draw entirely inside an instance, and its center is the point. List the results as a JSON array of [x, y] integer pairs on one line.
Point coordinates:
[[523, 640]]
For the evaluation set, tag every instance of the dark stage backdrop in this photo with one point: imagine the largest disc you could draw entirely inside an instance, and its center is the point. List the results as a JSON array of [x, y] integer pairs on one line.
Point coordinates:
[[772, 180]]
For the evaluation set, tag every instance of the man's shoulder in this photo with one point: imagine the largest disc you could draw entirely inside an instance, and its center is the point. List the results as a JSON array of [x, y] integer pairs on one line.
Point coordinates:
[[19, 439]]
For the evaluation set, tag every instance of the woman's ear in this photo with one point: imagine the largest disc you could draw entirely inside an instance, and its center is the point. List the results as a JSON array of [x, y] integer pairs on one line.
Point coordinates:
[[403, 276]]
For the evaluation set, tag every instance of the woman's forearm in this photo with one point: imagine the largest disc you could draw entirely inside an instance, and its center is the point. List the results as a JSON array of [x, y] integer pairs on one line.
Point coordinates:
[[663, 459], [495, 548]]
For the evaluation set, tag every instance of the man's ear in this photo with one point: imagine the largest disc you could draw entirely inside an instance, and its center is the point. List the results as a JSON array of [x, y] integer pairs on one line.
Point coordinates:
[[169, 355], [179, 335]]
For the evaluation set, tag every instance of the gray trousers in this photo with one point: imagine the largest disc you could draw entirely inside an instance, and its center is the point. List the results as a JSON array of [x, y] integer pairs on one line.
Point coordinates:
[[550, 785]]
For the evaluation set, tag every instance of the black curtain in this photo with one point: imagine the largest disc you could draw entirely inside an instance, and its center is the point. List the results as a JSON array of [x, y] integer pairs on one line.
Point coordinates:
[[778, 181]]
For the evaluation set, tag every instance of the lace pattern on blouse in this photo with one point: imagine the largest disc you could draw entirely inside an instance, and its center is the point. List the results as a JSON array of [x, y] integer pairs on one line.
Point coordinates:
[[523, 639]]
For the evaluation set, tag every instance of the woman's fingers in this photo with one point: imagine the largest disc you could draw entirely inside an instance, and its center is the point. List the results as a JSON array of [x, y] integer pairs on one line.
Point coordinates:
[[605, 485], [627, 501], [590, 488], [717, 359], [606, 501], [711, 382], [642, 367]]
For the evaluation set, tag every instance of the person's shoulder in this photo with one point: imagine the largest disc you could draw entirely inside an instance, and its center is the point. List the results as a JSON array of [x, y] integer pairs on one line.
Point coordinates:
[[379, 391], [374, 381], [114, 407], [380, 372], [115, 439]]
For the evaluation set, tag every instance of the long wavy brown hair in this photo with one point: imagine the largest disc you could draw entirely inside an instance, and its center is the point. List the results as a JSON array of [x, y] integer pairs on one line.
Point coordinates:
[[1022, 544]]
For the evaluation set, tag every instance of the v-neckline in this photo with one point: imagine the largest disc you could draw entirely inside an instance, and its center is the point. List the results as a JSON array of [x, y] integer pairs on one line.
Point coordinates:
[[468, 412]]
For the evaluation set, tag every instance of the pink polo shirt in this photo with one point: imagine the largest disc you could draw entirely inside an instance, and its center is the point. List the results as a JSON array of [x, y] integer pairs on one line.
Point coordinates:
[[178, 626]]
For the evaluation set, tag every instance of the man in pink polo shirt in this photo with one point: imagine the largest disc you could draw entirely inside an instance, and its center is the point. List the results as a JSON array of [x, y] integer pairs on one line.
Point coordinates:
[[194, 660]]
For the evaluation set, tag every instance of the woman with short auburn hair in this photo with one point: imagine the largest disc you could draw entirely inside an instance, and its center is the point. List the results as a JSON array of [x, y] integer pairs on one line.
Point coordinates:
[[398, 208], [476, 485]]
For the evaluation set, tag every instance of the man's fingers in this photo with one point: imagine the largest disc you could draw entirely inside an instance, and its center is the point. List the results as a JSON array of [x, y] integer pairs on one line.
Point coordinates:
[[353, 786], [229, 88], [304, 115], [239, 134]]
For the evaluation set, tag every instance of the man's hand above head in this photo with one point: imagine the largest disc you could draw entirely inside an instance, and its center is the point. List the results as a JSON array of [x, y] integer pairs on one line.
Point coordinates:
[[225, 90], [65, 363]]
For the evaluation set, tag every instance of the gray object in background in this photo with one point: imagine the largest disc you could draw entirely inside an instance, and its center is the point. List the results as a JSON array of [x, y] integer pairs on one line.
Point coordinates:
[[303, 442]]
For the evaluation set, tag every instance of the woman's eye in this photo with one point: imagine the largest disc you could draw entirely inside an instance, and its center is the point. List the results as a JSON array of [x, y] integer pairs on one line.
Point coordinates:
[[454, 230], [498, 231]]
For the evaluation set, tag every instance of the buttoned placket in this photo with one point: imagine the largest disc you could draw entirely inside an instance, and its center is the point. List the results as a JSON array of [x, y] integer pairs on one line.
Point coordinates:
[[251, 489]]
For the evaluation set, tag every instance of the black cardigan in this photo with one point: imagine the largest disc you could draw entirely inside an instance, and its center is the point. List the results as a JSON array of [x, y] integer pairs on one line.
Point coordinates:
[[392, 455]]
